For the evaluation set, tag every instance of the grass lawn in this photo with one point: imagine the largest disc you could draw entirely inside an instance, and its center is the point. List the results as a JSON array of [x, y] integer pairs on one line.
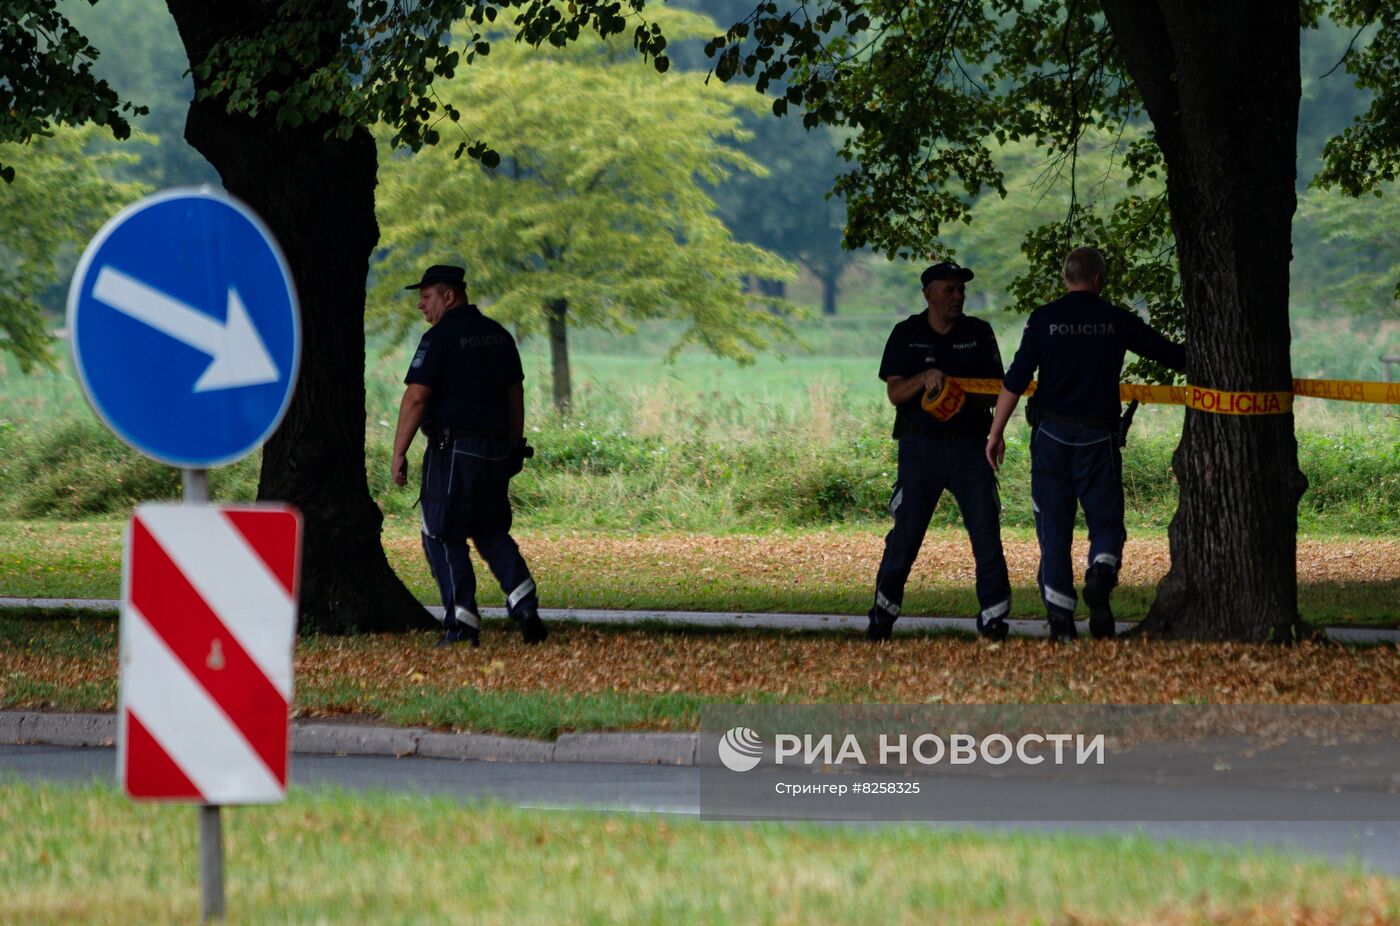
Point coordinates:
[[1342, 580], [88, 855]]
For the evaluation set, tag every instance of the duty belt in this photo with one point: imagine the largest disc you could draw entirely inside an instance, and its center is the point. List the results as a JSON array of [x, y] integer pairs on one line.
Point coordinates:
[[448, 435], [948, 435], [1098, 424]]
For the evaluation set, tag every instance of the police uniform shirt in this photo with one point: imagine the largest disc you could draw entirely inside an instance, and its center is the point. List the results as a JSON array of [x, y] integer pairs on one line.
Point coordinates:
[[1078, 342], [968, 350], [468, 361]]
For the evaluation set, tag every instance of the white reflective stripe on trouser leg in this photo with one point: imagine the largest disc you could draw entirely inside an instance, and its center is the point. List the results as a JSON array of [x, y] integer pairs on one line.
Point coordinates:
[[889, 607], [894, 502], [996, 610], [467, 617], [1108, 558], [521, 590], [1059, 599]]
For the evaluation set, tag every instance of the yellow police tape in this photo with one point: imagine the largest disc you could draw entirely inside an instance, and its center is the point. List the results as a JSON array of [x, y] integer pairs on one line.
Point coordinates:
[[1220, 402]]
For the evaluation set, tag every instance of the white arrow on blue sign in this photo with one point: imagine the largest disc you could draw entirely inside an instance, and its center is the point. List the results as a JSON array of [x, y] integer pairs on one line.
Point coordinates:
[[184, 328]]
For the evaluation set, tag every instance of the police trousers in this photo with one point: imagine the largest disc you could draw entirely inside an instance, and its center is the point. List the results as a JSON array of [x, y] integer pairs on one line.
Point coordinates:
[[464, 494], [1072, 463], [927, 466]]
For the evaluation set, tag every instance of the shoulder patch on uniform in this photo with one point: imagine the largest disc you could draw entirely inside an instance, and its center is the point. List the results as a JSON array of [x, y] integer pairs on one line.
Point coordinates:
[[418, 357]]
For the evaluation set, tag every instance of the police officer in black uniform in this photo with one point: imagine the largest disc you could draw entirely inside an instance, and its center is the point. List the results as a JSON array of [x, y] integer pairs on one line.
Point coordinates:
[[935, 454], [464, 390], [1077, 342]]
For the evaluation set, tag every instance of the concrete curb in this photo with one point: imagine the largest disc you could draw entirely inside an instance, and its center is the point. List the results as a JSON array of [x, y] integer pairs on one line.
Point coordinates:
[[740, 620], [337, 739], [642, 748], [482, 748], [65, 729], [349, 739]]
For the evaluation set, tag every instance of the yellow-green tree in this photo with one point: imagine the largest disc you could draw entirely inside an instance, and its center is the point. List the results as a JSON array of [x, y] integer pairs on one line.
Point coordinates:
[[595, 214], [64, 188]]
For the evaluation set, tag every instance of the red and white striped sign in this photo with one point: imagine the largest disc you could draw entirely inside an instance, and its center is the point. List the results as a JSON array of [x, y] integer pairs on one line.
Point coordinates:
[[208, 625]]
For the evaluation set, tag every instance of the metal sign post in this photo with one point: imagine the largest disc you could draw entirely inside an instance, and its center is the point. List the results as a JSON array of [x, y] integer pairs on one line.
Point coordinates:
[[211, 826], [211, 864]]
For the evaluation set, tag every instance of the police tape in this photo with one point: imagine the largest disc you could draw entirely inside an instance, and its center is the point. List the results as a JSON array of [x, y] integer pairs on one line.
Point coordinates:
[[1222, 402]]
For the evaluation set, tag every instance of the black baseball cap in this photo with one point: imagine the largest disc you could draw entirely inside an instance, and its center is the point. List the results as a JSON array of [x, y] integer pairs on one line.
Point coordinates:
[[942, 271], [441, 273]]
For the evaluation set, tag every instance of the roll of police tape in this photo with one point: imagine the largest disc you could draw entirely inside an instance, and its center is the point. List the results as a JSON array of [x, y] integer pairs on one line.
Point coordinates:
[[1222, 402], [947, 401]]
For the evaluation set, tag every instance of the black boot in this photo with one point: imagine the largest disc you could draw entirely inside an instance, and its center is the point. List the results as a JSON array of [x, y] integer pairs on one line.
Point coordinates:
[[458, 632], [1098, 585], [880, 628], [532, 629], [1062, 629], [995, 629]]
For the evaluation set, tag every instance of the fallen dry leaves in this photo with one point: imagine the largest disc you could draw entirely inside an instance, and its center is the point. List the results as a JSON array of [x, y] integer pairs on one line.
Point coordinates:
[[804, 667], [839, 558], [349, 674]]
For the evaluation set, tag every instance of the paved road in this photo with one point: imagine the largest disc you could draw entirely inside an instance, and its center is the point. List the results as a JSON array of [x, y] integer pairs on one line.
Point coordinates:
[[675, 790], [740, 620]]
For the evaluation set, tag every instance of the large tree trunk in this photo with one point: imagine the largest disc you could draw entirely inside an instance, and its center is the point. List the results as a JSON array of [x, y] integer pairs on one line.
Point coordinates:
[[829, 278], [1221, 83], [316, 194], [558, 312]]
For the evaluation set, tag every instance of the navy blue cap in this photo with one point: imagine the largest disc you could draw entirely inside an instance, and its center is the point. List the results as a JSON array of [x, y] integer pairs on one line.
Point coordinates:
[[943, 271], [441, 273]]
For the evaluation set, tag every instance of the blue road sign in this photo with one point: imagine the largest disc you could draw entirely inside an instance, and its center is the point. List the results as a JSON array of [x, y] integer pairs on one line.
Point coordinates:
[[184, 328]]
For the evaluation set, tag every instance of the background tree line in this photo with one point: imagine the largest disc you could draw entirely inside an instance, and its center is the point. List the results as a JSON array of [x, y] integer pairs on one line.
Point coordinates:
[[1345, 257]]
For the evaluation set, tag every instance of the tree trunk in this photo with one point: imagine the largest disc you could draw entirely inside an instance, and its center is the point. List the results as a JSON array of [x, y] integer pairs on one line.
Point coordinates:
[[316, 194], [559, 355], [828, 281], [774, 288], [1221, 83]]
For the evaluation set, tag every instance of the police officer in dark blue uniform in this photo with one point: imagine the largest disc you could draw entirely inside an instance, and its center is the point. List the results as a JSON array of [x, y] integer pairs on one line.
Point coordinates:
[[1077, 342], [935, 454], [464, 391]]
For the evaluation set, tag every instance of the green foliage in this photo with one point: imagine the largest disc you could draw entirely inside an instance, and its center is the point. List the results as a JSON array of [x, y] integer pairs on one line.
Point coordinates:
[[46, 79], [950, 103], [355, 65], [76, 468], [929, 89], [1347, 255], [64, 191], [145, 63], [1366, 155], [596, 204]]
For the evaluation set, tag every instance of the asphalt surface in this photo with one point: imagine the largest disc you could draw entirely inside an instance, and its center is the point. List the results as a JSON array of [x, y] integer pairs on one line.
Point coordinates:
[[737, 620], [670, 789]]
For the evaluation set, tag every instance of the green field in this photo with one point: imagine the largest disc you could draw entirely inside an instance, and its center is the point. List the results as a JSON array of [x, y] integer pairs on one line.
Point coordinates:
[[799, 441], [88, 855]]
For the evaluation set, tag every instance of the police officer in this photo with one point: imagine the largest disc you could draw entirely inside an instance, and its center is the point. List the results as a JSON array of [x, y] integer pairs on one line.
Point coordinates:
[[464, 390], [1077, 342], [922, 351]]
